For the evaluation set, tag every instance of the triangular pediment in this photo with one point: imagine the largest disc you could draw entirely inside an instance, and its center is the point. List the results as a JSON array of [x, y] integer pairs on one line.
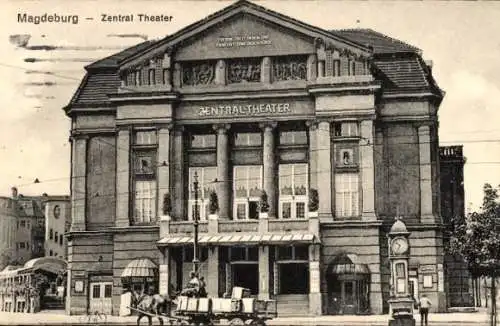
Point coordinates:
[[245, 29]]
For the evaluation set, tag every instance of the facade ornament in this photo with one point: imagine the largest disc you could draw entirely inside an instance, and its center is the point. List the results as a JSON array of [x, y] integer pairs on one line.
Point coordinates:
[[221, 128], [198, 73], [244, 71], [290, 68], [269, 124]]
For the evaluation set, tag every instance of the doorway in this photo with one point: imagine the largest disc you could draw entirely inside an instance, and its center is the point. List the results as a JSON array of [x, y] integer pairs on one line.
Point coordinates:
[[100, 297], [246, 275], [293, 278], [414, 288]]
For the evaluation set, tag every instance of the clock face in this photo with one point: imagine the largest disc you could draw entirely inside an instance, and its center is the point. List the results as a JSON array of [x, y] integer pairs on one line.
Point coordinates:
[[399, 246]]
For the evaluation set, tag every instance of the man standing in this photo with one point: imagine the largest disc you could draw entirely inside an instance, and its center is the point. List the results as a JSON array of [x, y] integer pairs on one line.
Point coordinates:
[[424, 305]]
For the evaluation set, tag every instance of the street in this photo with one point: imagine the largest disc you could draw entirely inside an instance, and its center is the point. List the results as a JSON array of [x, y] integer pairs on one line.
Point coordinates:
[[50, 318]]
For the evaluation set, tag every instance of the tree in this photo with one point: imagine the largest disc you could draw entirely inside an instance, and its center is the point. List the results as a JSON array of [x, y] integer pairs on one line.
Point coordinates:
[[477, 240], [263, 203], [313, 200]]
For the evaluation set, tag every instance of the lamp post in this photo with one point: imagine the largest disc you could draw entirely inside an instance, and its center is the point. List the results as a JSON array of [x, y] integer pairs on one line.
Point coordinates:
[[195, 224]]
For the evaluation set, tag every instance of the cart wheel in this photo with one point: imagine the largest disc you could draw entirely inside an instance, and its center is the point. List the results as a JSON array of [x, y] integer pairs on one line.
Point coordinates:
[[258, 322], [236, 322]]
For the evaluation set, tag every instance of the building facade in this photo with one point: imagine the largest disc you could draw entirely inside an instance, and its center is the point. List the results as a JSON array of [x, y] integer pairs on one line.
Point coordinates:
[[57, 223], [461, 289], [250, 100], [8, 227]]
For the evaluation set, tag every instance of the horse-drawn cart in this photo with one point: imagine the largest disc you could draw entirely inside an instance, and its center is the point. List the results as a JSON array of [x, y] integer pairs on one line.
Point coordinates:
[[240, 309]]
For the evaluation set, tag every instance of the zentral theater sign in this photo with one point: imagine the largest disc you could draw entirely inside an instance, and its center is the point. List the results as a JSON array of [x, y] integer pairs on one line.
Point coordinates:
[[245, 110]]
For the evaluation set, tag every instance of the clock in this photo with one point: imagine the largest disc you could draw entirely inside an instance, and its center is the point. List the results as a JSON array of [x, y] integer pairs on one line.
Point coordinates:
[[399, 246]]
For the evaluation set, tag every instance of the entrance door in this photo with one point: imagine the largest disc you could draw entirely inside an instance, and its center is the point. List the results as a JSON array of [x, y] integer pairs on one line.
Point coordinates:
[[246, 275], [414, 288], [349, 297], [100, 297]]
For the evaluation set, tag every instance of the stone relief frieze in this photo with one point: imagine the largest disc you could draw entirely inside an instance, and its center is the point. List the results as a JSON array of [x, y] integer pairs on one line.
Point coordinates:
[[243, 71], [290, 68], [198, 73]]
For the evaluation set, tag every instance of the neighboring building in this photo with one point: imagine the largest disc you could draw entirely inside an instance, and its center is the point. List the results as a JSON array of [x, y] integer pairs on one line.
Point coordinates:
[[57, 223], [28, 213], [252, 100], [8, 231], [461, 289]]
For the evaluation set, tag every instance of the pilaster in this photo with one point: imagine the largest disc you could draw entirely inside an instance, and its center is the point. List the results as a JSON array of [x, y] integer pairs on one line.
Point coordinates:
[[177, 75], [265, 71], [123, 178], [223, 184], [367, 171], [314, 281], [263, 272], [163, 166], [78, 182], [220, 73], [164, 271], [312, 67], [269, 166], [324, 167], [424, 141], [313, 154], [178, 170], [213, 272]]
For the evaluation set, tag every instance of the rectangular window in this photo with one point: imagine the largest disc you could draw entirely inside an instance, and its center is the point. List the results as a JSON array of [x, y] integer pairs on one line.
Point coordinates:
[[147, 137], [23, 223], [22, 245], [96, 291], [56, 237], [244, 254], [145, 202], [203, 141], [138, 78], [346, 129], [294, 252], [206, 178], [346, 195], [293, 185], [51, 234], [61, 240], [108, 290], [293, 137], [336, 67], [247, 139], [247, 187]]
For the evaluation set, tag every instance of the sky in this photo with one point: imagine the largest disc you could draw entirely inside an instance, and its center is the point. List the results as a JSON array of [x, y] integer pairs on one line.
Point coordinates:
[[461, 38]]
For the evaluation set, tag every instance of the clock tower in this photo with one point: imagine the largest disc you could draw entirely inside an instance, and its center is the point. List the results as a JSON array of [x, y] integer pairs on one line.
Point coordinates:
[[400, 301]]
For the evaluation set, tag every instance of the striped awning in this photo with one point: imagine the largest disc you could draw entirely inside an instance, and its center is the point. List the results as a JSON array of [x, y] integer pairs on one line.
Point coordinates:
[[247, 239], [143, 267], [349, 264]]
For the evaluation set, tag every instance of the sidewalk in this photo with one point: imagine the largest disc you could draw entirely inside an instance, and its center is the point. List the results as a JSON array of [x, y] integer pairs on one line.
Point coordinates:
[[51, 318]]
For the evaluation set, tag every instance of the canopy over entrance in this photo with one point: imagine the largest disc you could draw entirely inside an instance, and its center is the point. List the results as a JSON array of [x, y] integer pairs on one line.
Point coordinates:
[[142, 267], [49, 264], [247, 239], [348, 264]]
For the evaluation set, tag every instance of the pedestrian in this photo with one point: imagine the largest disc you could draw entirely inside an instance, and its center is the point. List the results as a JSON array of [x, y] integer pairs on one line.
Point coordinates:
[[203, 291], [424, 305]]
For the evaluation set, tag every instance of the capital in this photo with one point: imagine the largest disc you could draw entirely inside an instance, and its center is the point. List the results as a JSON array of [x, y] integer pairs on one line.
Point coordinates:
[[268, 125], [221, 128], [312, 124]]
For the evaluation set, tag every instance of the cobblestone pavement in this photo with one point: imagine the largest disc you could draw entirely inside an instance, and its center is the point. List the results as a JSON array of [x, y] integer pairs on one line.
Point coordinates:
[[51, 318]]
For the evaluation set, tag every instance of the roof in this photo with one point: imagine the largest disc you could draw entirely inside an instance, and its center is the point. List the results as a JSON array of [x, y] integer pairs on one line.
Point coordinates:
[[380, 43], [397, 63], [247, 239], [399, 227]]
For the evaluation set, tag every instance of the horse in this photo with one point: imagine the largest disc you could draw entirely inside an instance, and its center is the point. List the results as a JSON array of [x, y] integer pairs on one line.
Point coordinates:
[[156, 304]]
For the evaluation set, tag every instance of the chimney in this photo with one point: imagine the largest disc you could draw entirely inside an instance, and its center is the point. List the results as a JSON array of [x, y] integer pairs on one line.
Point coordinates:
[[14, 192]]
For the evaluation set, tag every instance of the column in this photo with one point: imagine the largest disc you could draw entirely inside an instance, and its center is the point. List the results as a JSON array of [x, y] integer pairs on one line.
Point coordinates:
[[78, 182], [213, 272], [178, 170], [163, 166], [164, 271], [223, 184], [314, 281], [424, 141], [324, 170], [269, 166], [313, 154], [122, 178], [264, 272], [367, 171]]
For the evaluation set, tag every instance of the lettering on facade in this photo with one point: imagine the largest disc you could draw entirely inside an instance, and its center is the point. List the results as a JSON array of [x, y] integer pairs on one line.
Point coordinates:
[[244, 110], [242, 40], [427, 268]]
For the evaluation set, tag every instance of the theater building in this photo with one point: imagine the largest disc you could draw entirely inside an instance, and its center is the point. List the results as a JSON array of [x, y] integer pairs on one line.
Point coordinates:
[[251, 100]]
